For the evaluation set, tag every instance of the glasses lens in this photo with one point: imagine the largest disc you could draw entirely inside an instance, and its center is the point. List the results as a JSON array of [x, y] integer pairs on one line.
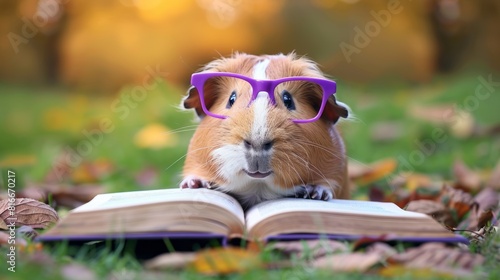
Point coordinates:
[[223, 93], [301, 98]]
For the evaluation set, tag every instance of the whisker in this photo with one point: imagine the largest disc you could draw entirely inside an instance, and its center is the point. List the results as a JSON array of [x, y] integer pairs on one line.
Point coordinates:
[[315, 145], [188, 128], [185, 155], [296, 172], [314, 169]]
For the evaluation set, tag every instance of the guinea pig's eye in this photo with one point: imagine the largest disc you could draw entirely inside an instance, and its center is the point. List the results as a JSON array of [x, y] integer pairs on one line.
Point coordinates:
[[232, 99], [287, 100]]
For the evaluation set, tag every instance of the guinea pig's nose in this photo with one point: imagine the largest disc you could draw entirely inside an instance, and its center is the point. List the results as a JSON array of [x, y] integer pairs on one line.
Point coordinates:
[[265, 145]]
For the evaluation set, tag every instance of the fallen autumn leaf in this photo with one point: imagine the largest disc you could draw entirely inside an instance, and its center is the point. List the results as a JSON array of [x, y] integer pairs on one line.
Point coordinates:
[[177, 260], [226, 260], [28, 212], [349, 262]]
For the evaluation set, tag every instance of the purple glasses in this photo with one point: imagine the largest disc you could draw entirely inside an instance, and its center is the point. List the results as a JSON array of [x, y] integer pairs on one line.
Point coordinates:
[[287, 89]]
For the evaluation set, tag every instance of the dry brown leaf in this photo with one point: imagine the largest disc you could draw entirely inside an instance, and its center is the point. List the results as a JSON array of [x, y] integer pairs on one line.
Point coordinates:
[[476, 220], [70, 196], [437, 114], [309, 248], [460, 122], [376, 194], [28, 212], [428, 207], [171, 261], [471, 222], [386, 131], [434, 209], [376, 171], [367, 240], [438, 257], [484, 218], [3, 225], [4, 238], [33, 192], [84, 172], [426, 193], [76, 271], [383, 249], [226, 260], [348, 262], [459, 201], [487, 199], [400, 197], [494, 181], [466, 179], [74, 196]]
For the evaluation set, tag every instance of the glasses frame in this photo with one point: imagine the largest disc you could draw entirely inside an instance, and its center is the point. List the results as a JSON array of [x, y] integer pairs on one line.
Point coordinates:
[[329, 88]]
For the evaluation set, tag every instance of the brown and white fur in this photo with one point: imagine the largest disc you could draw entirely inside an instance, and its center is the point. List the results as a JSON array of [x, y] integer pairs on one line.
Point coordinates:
[[230, 155]]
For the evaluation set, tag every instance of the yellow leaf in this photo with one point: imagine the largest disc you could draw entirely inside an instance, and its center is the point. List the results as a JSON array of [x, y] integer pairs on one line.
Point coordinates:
[[397, 271], [377, 171], [17, 160], [155, 136], [226, 260], [414, 181], [55, 119], [31, 248], [90, 172]]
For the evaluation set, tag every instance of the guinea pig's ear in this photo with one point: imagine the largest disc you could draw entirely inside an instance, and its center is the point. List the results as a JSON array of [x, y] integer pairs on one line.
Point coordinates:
[[333, 110], [192, 101]]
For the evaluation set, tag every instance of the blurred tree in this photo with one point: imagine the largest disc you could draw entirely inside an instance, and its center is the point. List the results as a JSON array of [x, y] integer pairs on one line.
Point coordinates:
[[102, 45], [109, 43], [454, 24]]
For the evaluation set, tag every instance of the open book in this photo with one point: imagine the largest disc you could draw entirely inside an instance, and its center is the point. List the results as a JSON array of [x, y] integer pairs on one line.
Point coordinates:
[[202, 211]]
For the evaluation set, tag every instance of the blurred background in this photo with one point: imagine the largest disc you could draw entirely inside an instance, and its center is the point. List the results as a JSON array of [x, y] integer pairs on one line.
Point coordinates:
[[105, 45], [89, 89]]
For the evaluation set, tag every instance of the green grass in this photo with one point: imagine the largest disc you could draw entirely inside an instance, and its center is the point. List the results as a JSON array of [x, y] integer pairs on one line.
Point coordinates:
[[38, 123], [34, 136], [372, 106]]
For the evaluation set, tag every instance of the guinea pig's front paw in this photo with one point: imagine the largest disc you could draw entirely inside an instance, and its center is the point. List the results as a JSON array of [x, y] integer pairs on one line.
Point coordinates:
[[193, 182], [316, 192]]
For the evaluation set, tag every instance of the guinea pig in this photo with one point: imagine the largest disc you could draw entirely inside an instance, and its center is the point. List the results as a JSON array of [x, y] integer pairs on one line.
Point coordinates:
[[257, 138]]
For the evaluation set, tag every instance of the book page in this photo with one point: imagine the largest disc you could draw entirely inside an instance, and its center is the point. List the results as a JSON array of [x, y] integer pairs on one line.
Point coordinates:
[[287, 205], [135, 198]]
